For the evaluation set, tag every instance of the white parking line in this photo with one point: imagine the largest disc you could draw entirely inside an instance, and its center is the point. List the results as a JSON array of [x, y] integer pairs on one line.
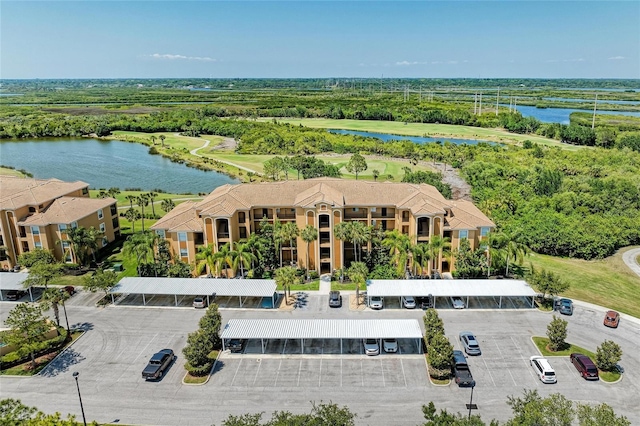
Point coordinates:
[[572, 370], [299, 372], [404, 376], [259, 361], [517, 346], [275, 383], [362, 372], [340, 372], [320, 375], [488, 371], [497, 346], [514, 380], [236, 373], [145, 348], [382, 369]]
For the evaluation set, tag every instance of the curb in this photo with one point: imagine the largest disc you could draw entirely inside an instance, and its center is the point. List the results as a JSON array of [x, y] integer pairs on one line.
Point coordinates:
[[613, 383], [213, 367], [61, 352], [429, 376]]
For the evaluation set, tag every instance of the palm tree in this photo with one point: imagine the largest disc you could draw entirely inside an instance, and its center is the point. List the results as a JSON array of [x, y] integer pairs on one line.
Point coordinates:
[[162, 138], [224, 255], [309, 234], [286, 277], [438, 246], [131, 199], [205, 258], [495, 243], [256, 245], [398, 244], [143, 201], [278, 238], [141, 246], [151, 196], [360, 233], [290, 231], [153, 139], [243, 255], [82, 241], [113, 192], [420, 254], [375, 174], [358, 272], [342, 232], [132, 215], [167, 205], [103, 193], [515, 249], [52, 298]]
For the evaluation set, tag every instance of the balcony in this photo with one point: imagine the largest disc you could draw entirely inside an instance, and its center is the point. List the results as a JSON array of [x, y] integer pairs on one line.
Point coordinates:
[[383, 213], [355, 214]]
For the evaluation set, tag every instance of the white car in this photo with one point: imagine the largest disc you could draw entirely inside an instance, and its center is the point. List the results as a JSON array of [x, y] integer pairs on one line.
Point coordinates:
[[543, 369], [390, 345], [408, 302], [376, 302], [199, 302], [371, 346], [457, 302]]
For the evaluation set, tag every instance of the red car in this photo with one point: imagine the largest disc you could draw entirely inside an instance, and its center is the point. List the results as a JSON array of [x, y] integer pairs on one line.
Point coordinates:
[[585, 366], [612, 319]]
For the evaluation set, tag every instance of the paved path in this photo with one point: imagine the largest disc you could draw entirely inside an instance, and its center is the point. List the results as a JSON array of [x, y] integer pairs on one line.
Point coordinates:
[[325, 284], [629, 258], [206, 144], [195, 151]]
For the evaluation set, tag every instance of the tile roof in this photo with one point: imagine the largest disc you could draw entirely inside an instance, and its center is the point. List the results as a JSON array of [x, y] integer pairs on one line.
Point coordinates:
[[65, 210], [183, 217], [16, 192], [465, 215]]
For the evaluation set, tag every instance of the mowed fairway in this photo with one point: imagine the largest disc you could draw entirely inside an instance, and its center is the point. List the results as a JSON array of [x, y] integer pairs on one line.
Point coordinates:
[[607, 282], [173, 140], [420, 129]]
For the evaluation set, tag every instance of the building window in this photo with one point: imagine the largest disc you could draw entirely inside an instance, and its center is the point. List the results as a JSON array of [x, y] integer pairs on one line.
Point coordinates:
[[184, 252], [65, 245], [160, 233], [115, 223], [241, 217], [37, 244], [32, 209], [102, 227], [23, 232], [85, 191], [105, 241], [405, 229], [182, 236], [114, 210], [35, 230], [100, 214], [384, 211], [484, 231], [74, 225], [405, 216], [463, 234], [243, 232], [62, 228]]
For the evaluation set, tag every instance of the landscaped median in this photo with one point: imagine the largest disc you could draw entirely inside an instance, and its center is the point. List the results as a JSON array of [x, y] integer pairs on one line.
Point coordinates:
[[438, 349], [543, 344], [201, 375], [203, 348]]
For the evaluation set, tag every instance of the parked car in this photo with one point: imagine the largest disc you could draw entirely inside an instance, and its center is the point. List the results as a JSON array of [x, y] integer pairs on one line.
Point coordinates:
[[425, 302], [15, 294], [157, 365], [470, 344], [376, 302], [236, 345], [390, 345], [461, 372], [436, 275], [69, 289], [371, 346], [612, 319], [457, 302], [335, 299], [565, 306], [199, 302], [585, 366], [543, 369], [408, 302]]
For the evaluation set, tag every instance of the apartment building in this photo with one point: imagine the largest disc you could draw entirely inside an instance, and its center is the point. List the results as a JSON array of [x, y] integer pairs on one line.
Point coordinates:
[[232, 212], [34, 213]]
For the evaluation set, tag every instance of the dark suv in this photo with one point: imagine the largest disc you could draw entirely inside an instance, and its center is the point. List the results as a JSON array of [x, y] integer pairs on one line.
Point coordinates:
[[15, 294], [585, 366], [158, 363]]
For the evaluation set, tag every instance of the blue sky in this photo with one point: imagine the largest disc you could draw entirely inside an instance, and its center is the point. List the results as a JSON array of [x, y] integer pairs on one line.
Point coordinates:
[[149, 39]]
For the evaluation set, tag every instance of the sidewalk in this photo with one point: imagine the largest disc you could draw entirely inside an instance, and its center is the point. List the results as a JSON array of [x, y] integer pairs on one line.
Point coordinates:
[[325, 284]]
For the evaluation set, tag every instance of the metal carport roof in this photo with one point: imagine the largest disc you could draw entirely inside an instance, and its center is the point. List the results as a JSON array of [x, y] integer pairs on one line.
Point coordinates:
[[478, 288], [321, 329], [195, 286], [12, 281]]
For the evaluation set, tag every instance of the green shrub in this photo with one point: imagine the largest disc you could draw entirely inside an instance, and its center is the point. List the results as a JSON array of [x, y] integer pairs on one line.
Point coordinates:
[[314, 275], [10, 357], [200, 370]]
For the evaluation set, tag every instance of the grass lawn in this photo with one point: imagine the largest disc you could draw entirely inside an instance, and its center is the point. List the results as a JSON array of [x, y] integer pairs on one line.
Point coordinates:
[[194, 380], [5, 171], [609, 376], [311, 286], [607, 282], [420, 129], [41, 362], [336, 285], [173, 140]]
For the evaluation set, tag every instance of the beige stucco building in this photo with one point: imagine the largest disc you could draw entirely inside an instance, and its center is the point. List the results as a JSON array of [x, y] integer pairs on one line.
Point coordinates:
[[34, 213], [232, 212]]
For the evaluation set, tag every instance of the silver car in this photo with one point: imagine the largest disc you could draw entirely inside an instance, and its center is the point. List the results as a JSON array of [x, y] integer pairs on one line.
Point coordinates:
[[470, 344], [376, 302], [371, 347], [390, 345], [457, 302], [408, 302]]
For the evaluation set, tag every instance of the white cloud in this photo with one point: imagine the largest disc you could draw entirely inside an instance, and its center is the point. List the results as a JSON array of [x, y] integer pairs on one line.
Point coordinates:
[[171, 57], [616, 58]]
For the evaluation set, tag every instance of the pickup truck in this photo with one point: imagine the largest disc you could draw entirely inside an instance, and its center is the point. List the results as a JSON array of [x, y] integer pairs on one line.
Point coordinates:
[[157, 364], [461, 370]]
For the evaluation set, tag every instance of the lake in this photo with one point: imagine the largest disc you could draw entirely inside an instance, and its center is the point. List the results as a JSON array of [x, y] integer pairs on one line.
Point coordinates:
[[106, 164], [561, 115], [418, 139], [600, 101]]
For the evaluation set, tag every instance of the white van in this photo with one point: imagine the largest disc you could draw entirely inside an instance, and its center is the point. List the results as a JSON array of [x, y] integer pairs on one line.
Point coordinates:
[[543, 369]]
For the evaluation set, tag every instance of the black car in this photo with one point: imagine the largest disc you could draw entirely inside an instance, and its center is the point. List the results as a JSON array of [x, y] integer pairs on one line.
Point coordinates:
[[15, 294], [461, 372], [335, 299], [158, 363], [236, 345], [425, 302]]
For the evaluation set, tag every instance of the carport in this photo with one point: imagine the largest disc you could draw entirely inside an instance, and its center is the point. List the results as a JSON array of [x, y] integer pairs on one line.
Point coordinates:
[[301, 329], [195, 287], [13, 281], [451, 288]]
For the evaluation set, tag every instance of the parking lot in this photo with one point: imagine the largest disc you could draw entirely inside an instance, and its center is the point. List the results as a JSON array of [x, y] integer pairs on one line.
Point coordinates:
[[236, 370], [321, 347], [473, 303], [168, 301]]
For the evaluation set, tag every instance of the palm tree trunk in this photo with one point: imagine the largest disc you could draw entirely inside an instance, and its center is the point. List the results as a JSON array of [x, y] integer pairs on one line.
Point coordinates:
[[56, 313], [507, 272], [308, 271], [33, 360], [142, 206]]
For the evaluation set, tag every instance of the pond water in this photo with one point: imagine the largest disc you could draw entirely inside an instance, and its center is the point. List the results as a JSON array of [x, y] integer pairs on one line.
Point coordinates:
[[603, 101], [418, 139], [561, 115], [106, 164]]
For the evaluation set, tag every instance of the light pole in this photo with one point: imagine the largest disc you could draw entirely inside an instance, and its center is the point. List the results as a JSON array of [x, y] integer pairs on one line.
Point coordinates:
[[471, 405], [75, 376]]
